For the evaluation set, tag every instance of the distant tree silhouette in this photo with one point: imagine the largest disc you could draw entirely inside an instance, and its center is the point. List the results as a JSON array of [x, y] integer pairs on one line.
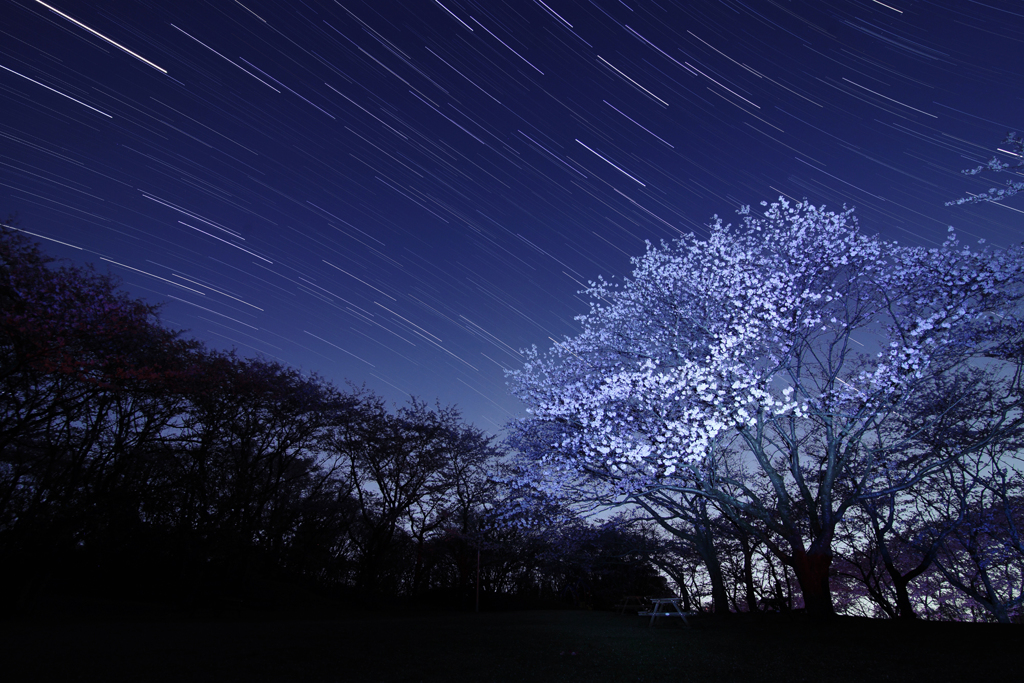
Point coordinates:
[[89, 385], [417, 473]]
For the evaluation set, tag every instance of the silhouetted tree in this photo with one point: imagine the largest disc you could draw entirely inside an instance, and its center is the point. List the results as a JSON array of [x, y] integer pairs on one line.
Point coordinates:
[[89, 384]]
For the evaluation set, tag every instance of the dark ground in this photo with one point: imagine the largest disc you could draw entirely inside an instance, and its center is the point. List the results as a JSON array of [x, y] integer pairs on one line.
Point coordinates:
[[133, 644]]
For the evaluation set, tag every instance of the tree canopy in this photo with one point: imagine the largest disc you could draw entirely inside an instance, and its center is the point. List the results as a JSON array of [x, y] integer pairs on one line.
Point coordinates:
[[779, 369]]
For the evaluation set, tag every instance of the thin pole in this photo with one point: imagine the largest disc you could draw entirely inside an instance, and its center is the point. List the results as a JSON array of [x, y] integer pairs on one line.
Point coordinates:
[[478, 579]]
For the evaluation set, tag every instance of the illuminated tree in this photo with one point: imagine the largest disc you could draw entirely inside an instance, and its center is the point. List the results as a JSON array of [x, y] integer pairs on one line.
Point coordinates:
[[813, 355]]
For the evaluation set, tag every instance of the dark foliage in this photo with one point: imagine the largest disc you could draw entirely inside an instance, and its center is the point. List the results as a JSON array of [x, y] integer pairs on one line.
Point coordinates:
[[137, 465]]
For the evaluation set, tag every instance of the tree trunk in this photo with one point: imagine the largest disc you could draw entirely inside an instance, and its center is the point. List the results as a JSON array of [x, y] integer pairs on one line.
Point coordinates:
[[704, 543], [748, 575], [417, 572], [904, 610], [812, 572], [685, 595], [718, 593], [1000, 612], [900, 581]]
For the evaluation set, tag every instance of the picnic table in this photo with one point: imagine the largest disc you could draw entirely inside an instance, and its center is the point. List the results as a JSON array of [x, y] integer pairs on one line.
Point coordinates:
[[665, 607]]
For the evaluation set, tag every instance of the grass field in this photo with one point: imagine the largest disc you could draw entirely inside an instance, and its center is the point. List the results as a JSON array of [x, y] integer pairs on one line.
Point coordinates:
[[505, 646]]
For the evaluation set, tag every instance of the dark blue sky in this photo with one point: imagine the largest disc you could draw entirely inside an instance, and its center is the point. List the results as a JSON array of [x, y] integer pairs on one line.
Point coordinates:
[[403, 194]]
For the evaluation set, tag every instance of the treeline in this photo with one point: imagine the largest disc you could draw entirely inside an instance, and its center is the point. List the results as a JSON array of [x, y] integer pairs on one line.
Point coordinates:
[[137, 464]]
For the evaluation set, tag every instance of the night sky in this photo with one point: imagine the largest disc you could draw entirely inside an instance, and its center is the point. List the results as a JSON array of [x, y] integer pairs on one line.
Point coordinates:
[[404, 194]]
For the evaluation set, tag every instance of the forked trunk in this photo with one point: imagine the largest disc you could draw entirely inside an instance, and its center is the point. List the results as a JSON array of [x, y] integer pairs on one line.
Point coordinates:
[[812, 571], [904, 610]]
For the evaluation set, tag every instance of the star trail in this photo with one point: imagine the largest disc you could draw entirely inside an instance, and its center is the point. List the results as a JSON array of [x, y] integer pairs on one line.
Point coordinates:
[[405, 194]]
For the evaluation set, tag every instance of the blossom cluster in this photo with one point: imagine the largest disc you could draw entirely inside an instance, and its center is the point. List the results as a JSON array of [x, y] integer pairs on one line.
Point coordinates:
[[795, 316]]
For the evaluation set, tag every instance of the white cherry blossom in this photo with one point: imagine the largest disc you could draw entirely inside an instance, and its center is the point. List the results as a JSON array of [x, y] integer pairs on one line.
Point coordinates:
[[794, 339]]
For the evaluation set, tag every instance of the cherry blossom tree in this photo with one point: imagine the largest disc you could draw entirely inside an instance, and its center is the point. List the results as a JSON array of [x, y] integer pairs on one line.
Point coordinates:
[[813, 354], [1013, 145]]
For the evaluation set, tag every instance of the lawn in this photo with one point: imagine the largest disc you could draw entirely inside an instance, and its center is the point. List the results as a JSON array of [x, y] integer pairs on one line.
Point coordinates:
[[504, 646]]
